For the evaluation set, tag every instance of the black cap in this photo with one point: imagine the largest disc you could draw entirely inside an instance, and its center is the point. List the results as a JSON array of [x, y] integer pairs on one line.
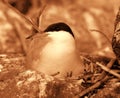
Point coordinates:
[[58, 27]]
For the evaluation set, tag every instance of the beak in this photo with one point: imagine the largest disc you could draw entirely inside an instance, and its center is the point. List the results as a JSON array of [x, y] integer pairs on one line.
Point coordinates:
[[33, 34], [30, 36]]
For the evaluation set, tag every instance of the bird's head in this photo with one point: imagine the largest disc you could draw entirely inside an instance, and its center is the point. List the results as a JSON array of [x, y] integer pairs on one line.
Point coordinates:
[[60, 26]]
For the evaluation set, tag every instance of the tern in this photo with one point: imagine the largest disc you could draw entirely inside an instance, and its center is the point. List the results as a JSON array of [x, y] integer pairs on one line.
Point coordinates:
[[55, 51]]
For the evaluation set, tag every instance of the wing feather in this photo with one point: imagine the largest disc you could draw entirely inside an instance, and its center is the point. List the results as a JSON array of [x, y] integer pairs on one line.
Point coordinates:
[[35, 47]]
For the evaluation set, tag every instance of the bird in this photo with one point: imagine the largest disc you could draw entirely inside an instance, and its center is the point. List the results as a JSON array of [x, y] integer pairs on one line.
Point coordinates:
[[55, 51]]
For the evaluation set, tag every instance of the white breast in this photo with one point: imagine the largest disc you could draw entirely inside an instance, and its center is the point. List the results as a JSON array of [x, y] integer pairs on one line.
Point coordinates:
[[61, 44], [58, 54]]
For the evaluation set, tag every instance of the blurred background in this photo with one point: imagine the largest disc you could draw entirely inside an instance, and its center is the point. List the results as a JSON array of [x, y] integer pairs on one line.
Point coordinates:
[[82, 16]]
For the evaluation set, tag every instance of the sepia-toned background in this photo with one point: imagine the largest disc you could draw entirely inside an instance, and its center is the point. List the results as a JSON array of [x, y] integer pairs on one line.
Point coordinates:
[[92, 22], [82, 16]]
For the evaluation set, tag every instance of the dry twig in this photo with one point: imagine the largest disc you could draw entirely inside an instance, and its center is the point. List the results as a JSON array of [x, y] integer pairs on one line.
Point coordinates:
[[102, 34], [34, 25], [37, 22], [17, 31], [109, 70], [109, 65], [91, 88], [103, 78], [23, 16]]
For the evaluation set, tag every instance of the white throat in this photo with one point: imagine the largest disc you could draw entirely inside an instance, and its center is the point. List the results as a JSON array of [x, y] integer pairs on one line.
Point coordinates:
[[61, 42], [60, 50], [61, 35]]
